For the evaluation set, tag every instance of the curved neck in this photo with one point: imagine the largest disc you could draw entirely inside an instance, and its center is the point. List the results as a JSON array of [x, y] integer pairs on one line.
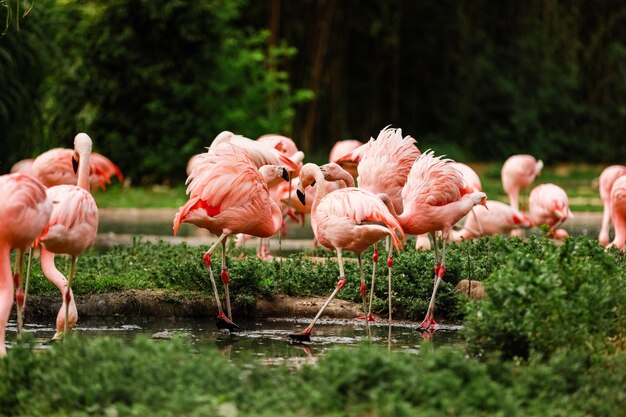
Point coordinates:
[[50, 270], [320, 189]]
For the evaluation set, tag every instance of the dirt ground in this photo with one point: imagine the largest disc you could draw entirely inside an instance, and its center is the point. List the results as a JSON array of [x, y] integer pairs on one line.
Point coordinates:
[[165, 304]]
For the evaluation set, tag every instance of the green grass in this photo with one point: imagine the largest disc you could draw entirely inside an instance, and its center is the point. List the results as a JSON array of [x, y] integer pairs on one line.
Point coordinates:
[[156, 196]]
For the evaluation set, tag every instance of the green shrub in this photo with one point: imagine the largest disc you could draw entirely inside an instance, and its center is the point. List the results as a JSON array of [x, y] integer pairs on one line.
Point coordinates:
[[547, 298]]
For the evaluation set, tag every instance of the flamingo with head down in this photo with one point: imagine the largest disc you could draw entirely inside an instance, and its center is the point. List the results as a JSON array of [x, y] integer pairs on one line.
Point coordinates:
[[607, 178]]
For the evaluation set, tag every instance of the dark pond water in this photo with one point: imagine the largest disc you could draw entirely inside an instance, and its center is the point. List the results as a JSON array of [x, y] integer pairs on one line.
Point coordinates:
[[266, 340]]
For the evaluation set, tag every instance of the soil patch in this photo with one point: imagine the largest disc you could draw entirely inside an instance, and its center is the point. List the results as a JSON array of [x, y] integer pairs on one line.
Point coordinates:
[[156, 303]]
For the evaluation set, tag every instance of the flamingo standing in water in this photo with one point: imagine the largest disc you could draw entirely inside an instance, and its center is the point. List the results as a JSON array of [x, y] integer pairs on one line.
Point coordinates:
[[228, 194], [618, 211], [384, 164], [72, 229], [434, 200], [24, 212], [346, 219], [549, 205], [607, 178]]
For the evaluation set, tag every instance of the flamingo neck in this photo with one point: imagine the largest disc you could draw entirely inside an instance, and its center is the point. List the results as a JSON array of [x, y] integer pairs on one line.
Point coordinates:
[[277, 216], [83, 170], [50, 270], [321, 190]]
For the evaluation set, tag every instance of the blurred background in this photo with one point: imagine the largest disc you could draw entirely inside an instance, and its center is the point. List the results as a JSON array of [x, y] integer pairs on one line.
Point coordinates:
[[153, 81]]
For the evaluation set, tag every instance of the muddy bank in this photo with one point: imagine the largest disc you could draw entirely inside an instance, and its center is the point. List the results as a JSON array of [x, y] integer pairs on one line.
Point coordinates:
[[152, 303]]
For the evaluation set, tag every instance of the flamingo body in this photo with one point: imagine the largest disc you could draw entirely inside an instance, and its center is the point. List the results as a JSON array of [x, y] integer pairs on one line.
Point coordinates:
[[519, 172], [344, 153], [607, 178], [501, 218], [549, 205], [618, 211], [24, 212]]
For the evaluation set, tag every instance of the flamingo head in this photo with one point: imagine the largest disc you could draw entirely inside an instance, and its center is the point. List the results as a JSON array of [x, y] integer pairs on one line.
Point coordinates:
[[334, 172], [479, 198], [308, 175], [272, 173]]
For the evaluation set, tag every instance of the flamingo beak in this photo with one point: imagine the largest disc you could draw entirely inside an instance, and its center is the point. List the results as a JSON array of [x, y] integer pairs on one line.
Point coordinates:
[[75, 162], [285, 174], [301, 197], [483, 203]]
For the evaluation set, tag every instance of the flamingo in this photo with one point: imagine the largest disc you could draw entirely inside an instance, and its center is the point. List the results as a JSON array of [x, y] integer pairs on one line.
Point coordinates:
[[549, 205], [472, 184], [500, 218], [228, 194], [25, 166], [72, 229], [24, 212], [343, 153], [607, 178], [434, 199], [346, 219], [54, 167], [519, 172], [618, 211], [384, 164]]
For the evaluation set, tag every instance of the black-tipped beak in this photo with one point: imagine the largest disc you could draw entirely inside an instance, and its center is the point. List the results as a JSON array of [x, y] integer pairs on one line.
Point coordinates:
[[75, 163], [285, 175], [301, 197]]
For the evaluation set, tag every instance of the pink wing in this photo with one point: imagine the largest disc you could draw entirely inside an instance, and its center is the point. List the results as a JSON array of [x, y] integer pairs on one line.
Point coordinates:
[[618, 197], [283, 144], [608, 177], [470, 177], [433, 181], [25, 166], [519, 171], [24, 209], [73, 225], [548, 203], [102, 170], [385, 164], [342, 151], [359, 206], [222, 179]]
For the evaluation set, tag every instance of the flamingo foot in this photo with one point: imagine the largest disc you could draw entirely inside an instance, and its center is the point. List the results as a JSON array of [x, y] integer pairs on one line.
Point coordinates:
[[428, 324], [224, 323], [370, 318], [302, 337]]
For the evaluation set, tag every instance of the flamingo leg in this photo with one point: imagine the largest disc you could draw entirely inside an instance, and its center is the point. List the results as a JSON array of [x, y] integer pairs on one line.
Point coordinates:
[[225, 279], [363, 288], [19, 290], [374, 263], [68, 293], [305, 335], [26, 281], [223, 322], [389, 266], [440, 269]]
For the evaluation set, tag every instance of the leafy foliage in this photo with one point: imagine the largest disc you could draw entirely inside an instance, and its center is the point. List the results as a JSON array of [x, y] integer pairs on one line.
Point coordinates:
[[549, 298]]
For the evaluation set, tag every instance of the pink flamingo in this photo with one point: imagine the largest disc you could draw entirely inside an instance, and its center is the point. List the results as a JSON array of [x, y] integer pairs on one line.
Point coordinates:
[[472, 184], [607, 178], [281, 143], [384, 165], [25, 166], [54, 167], [72, 229], [519, 172], [24, 212], [618, 210], [346, 219], [434, 200], [343, 153], [549, 205], [499, 219], [228, 194]]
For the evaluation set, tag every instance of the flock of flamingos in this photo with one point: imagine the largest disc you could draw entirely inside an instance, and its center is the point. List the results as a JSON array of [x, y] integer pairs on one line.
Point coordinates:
[[247, 187]]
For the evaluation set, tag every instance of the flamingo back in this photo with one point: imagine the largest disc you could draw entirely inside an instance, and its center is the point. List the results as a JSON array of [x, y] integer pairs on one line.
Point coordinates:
[[360, 206], [607, 178], [519, 172], [385, 164], [342, 151], [433, 181], [470, 177], [24, 209], [548, 204]]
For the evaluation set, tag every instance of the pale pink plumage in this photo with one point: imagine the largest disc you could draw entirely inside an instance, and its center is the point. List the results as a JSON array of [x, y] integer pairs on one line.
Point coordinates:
[[549, 205], [518, 172], [343, 153], [281, 143], [25, 166], [54, 167], [501, 218], [228, 194], [607, 178], [618, 211], [434, 199], [72, 229], [470, 177], [24, 212], [260, 153], [346, 219]]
